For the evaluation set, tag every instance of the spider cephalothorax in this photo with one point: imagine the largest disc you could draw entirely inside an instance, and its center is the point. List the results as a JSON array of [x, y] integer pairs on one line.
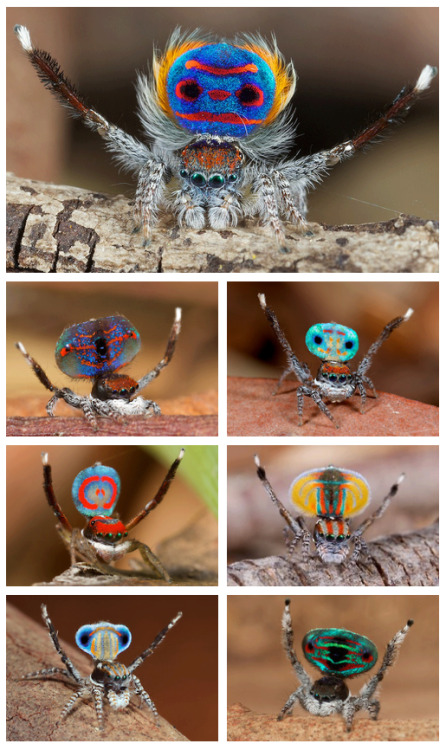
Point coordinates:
[[338, 654], [94, 351], [335, 345], [217, 117], [331, 496], [109, 680], [95, 493]]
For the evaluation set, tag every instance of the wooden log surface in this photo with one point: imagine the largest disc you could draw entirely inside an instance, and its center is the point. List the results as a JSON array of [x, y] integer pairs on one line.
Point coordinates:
[[397, 560], [245, 725], [34, 706], [57, 228]]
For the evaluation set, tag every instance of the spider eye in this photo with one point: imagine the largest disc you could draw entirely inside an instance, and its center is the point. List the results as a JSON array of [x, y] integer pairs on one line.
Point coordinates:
[[250, 95], [188, 90], [198, 179], [216, 180], [342, 378], [233, 178], [184, 173], [330, 537], [341, 537], [123, 391], [318, 340]]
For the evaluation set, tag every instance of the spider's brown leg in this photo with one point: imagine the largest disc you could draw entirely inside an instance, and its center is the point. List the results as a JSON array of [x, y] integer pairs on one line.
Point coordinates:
[[50, 495], [159, 495], [156, 642], [398, 109], [38, 371], [131, 154], [168, 354], [381, 510], [297, 531], [366, 361]]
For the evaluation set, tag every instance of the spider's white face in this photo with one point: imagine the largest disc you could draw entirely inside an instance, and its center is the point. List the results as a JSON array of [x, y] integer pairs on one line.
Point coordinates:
[[110, 552]]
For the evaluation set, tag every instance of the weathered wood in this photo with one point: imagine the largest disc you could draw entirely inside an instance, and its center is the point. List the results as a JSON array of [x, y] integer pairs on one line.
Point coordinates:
[[84, 574], [55, 229], [140, 426], [396, 560], [34, 707]]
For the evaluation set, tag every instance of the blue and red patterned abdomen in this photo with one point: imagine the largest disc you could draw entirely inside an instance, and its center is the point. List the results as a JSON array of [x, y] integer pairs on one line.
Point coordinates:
[[339, 652], [331, 341], [97, 347], [221, 89], [95, 490], [103, 641], [330, 492]]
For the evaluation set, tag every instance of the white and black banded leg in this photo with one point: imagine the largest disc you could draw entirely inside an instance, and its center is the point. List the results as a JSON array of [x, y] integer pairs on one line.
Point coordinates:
[[379, 512], [168, 354], [391, 653], [73, 700], [99, 705], [55, 640], [139, 690], [269, 211], [288, 518], [155, 643], [366, 361], [305, 390], [288, 644], [294, 213]]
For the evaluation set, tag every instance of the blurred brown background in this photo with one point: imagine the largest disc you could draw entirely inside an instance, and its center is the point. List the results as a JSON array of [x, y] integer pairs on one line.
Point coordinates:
[[255, 525], [351, 62], [37, 313], [406, 364], [35, 552], [260, 675], [181, 676]]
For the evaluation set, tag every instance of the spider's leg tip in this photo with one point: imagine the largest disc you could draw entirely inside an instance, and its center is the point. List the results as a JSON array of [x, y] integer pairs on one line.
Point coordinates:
[[178, 312], [287, 602], [45, 459], [262, 300], [410, 623], [256, 460], [425, 78], [24, 37], [408, 314]]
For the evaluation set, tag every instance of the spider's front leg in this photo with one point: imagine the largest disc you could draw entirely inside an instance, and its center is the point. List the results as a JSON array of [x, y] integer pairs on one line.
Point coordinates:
[[149, 195], [356, 536], [155, 643], [59, 393], [55, 640], [303, 677], [295, 528], [63, 526], [168, 354], [305, 390], [391, 653], [139, 690], [150, 559]]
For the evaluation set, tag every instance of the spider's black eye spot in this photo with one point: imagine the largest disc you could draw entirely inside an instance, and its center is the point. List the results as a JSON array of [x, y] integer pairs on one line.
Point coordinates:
[[123, 391], [124, 639], [109, 535], [333, 378], [342, 378], [198, 179], [188, 90], [250, 95], [318, 340], [349, 344], [367, 656], [330, 537], [118, 535], [341, 537], [233, 178], [84, 639], [309, 647], [216, 180], [101, 347], [184, 173], [132, 389]]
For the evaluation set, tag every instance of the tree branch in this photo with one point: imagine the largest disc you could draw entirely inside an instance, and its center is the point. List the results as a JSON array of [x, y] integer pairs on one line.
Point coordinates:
[[34, 707], [170, 425], [53, 228], [396, 560]]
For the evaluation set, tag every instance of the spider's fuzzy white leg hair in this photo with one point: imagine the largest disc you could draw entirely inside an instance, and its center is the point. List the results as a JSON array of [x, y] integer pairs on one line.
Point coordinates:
[[224, 209]]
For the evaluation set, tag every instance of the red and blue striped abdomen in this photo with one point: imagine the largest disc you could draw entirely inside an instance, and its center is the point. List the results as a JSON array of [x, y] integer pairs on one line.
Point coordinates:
[[97, 347], [330, 491], [339, 652]]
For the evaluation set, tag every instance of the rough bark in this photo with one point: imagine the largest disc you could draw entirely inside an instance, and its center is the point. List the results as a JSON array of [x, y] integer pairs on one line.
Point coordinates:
[[396, 560], [245, 725], [252, 410], [34, 706], [55, 229], [139, 426]]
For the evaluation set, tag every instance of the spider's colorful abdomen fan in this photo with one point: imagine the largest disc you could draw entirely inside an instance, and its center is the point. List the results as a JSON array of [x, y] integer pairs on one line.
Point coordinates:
[[103, 640], [330, 492], [339, 652], [97, 347], [332, 341], [95, 490], [221, 88]]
